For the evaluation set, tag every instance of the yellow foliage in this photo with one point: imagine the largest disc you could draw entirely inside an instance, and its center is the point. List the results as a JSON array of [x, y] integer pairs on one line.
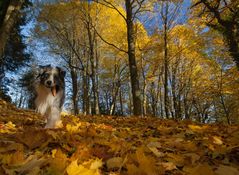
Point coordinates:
[[73, 128], [75, 169], [197, 128]]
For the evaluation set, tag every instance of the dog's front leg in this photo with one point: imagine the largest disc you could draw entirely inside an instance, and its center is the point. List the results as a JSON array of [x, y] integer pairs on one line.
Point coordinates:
[[53, 117]]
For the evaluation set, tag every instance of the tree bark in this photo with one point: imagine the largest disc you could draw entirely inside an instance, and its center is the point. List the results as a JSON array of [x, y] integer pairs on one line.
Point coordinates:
[[97, 55], [74, 90], [86, 103], [115, 88], [9, 19], [92, 64], [135, 89], [166, 98], [121, 102]]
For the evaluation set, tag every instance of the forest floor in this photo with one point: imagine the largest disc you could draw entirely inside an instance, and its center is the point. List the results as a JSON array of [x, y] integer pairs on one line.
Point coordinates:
[[92, 145]]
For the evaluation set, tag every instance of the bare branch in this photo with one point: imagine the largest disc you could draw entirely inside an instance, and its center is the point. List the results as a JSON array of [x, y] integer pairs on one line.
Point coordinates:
[[111, 44], [65, 38], [139, 9]]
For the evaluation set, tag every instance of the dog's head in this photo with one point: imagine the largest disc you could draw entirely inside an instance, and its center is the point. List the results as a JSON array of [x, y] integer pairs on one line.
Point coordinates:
[[52, 78]]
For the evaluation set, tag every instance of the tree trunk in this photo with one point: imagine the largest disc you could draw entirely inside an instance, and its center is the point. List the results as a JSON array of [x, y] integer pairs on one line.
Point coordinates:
[[130, 99], [225, 109], [121, 102], [112, 108], [164, 14], [92, 64], [145, 99], [144, 102], [115, 89], [97, 109], [107, 101], [153, 99], [132, 60], [233, 47], [74, 90], [21, 100], [11, 14], [86, 103], [166, 99]]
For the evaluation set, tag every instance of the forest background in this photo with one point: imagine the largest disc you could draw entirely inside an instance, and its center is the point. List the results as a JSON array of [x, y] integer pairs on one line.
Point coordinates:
[[169, 59]]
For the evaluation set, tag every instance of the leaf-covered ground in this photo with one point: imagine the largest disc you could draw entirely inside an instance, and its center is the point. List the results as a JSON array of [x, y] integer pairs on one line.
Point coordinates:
[[91, 145]]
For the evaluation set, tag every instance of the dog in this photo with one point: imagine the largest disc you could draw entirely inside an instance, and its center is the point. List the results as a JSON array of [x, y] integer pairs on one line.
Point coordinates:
[[50, 93]]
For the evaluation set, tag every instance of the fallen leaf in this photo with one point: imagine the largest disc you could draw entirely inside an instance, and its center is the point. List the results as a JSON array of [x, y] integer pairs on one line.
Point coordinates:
[[168, 166], [114, 163], [226, 170], [146, 164], [28, 165], [217, 140], [73, 128], [133, 170], [201, 169], [58, 162], [197, 128], [33, 138], [154, 146], [53, 153], [75, 169], [193, 157]]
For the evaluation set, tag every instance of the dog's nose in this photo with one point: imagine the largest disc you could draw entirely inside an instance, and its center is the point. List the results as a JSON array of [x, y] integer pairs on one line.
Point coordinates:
[[48, 83]]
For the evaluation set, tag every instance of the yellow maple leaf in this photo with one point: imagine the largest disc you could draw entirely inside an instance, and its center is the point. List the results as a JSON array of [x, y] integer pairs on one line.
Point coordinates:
[[72, 128], [75, 169], [10, 125], [217, 140], [96, 164], [146, 164], [197, 127], [53, 153]]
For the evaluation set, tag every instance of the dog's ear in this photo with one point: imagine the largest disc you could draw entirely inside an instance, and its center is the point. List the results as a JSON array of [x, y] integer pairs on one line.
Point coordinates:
[[62, 73], [42, 69]]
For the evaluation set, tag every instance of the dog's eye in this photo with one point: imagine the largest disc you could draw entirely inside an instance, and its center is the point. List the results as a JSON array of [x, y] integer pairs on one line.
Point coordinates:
[[46, 75], [56, 77]]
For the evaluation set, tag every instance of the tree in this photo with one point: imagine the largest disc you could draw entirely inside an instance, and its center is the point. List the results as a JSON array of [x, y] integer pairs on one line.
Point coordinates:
[[9, 14], [26, 82], [133, 8], [168, 12], [223, 16], [12, 47]]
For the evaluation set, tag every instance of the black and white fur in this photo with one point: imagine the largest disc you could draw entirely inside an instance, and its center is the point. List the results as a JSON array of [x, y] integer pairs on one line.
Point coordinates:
[[46, 103]]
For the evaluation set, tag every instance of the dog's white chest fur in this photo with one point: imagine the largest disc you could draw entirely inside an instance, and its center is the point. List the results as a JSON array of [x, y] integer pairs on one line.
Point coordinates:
[[44, 99], [48, 105]]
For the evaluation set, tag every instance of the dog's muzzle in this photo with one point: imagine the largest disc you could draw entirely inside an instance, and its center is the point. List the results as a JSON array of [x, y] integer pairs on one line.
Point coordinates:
[[52, 87]]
